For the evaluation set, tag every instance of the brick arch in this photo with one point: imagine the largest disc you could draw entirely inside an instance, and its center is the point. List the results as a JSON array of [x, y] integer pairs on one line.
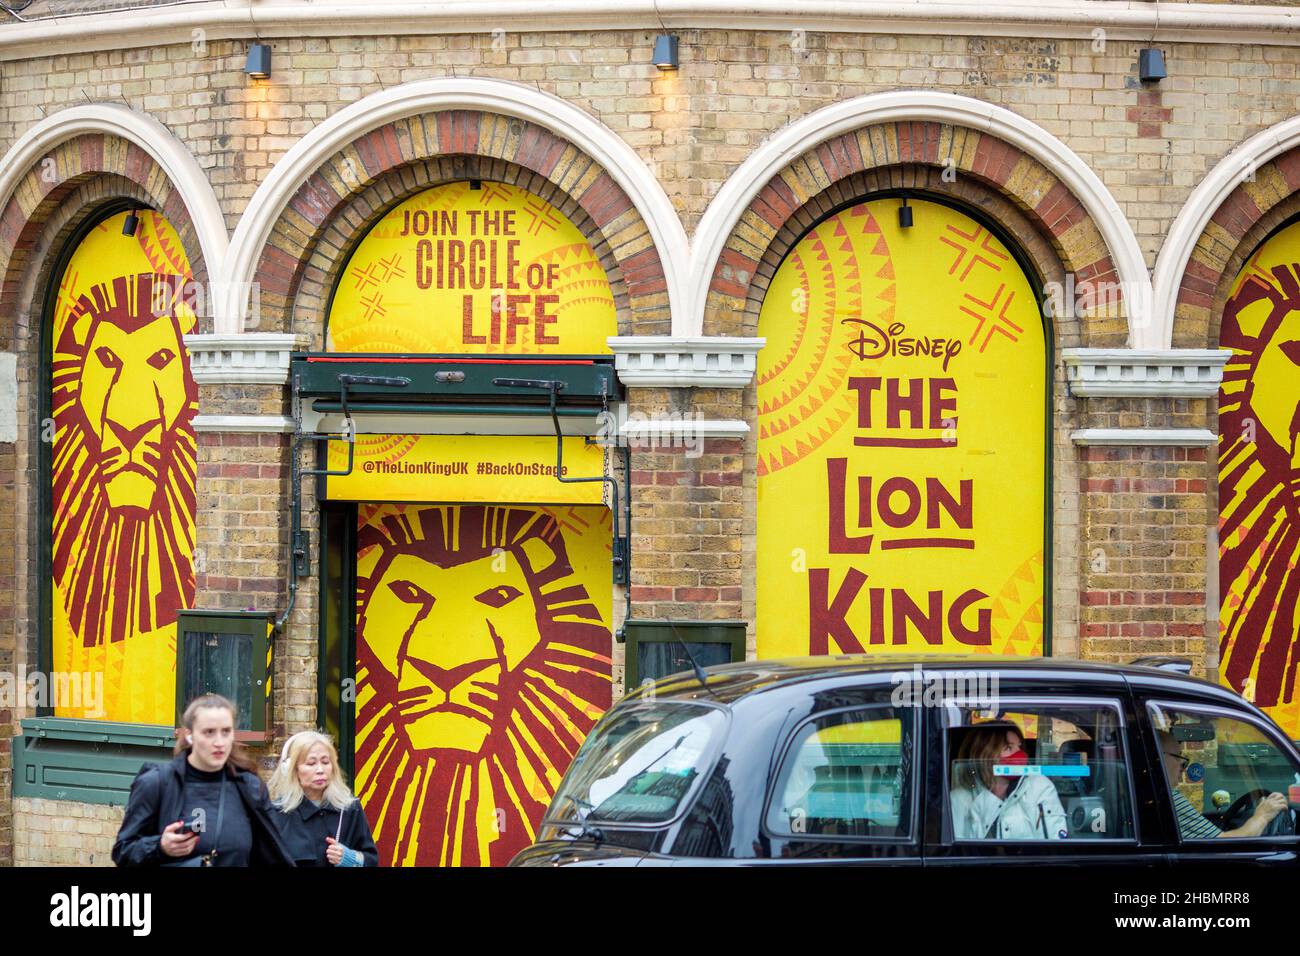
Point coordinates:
[[1237, 227], [923, 182], [354, 219], [123, 169], [349, 188], [50, 240], [38, 222], [986, 172]]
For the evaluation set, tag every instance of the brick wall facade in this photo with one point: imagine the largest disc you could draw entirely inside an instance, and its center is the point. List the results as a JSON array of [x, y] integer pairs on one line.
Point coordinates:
[[242, 539], [1144, 537], [63, 832], [1130, 525], [734, 89], [689, 521]]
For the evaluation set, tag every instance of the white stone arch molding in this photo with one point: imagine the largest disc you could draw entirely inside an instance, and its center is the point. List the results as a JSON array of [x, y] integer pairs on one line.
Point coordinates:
[[1229, 173], [149, 134], [805, 134], [503, 97]]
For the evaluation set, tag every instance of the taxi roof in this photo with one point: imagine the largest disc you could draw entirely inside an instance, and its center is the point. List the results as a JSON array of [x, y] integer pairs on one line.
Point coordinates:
[[728, 683]]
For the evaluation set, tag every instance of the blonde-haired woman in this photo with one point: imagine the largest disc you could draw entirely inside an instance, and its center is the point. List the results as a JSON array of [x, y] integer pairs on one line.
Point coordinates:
[[320, 821]]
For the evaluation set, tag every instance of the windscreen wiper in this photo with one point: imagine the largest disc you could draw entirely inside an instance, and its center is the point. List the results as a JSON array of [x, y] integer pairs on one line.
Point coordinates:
[[646, 769], [583, 808]]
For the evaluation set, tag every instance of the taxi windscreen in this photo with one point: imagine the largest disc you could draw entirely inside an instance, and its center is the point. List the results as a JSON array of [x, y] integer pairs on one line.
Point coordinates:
[[639, 764]]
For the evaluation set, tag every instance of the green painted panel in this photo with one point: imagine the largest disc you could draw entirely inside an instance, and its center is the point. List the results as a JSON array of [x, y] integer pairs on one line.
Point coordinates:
[[82, 760], [443, 378]]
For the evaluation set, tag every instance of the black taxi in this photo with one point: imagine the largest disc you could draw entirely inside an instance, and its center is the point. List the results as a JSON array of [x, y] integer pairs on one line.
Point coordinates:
[[911, 761]]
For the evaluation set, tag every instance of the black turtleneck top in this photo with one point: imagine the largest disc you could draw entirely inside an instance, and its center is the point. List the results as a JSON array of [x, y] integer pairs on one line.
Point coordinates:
[[203, 793]]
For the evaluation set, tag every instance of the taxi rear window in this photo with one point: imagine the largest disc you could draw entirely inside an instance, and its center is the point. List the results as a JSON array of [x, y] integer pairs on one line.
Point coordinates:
[[1052, 772], [847, 774]]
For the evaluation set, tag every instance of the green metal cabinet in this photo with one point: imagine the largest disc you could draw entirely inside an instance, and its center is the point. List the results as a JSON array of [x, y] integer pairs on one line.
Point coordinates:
[[654, 648]]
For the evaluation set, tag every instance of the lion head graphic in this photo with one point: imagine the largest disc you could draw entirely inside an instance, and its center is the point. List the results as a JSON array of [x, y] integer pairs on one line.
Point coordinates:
[[124, 457], [482, 663], [1259, 485]]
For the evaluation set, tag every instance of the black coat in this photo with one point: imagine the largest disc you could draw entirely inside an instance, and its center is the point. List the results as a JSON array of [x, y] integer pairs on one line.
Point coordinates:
[[305, 827], [156, 801]]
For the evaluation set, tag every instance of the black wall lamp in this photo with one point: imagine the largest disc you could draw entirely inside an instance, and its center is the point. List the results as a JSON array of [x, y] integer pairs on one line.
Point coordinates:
[[258, 64], [905, 215], [131, 223], [1151, 66], [665, 54]]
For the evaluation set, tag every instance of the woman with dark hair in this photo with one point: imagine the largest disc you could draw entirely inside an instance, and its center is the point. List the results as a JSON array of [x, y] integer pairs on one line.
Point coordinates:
[[208, 807], [992, 806]]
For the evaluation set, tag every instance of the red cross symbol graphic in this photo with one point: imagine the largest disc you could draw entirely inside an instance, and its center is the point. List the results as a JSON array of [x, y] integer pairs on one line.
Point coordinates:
[[1000, 324], [965, 245]]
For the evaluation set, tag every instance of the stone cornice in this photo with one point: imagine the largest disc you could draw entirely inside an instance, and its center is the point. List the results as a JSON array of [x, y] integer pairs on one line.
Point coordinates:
[[652, 431], [1180, 437], [243, 423], [667, 361], [1133, 373], [1069, 19], [250, 358]]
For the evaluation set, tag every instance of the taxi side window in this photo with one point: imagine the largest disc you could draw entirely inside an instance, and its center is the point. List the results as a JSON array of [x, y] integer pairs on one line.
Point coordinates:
[[1037, 772], [1227, 778], [847, 774]]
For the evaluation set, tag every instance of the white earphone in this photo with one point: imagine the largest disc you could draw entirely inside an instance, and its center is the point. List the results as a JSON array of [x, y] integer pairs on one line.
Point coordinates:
[[189, 739], [283, 766]]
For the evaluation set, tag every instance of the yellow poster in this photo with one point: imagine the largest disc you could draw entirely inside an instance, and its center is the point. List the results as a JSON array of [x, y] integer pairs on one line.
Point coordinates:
[[461, 270], [123, 469], [901, 457], [465, 468], [483, 659], [1259, 482]]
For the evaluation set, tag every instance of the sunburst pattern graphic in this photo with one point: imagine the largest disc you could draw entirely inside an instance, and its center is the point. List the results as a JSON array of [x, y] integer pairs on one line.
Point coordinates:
[[385, 448], [840, 268], [1259, 481], [483, 659], [123, 465]]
